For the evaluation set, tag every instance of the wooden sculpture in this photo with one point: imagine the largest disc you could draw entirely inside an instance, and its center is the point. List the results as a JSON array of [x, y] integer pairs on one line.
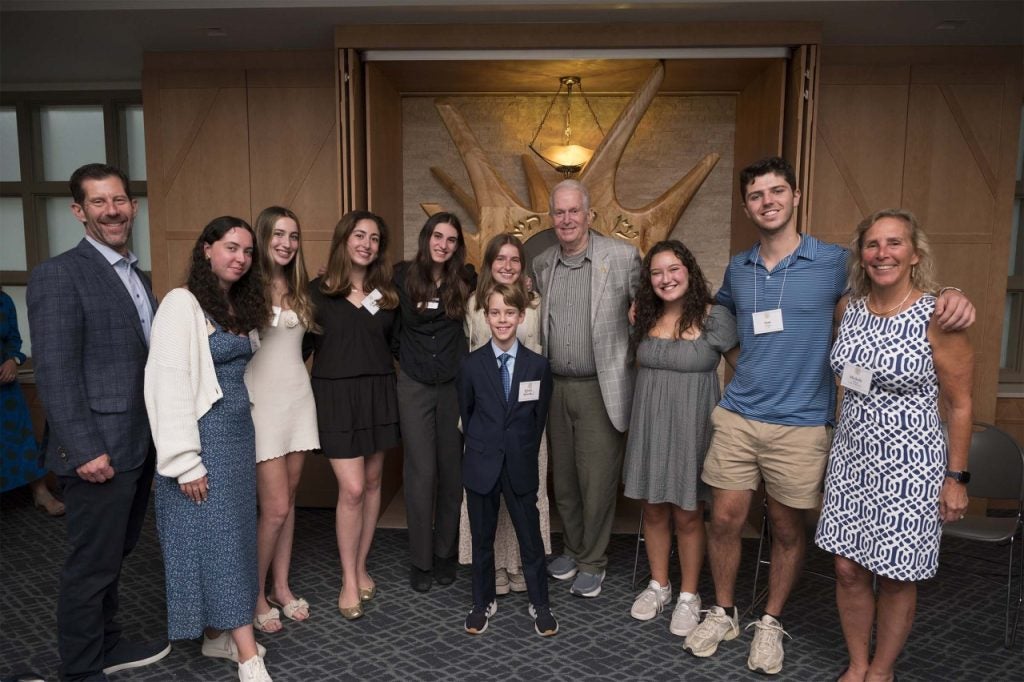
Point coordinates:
[[495, 207]]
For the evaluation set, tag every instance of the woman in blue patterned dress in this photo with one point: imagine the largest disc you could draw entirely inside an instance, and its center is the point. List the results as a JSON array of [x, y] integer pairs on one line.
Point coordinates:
[[203, 337], [893, 478], [19, 453]]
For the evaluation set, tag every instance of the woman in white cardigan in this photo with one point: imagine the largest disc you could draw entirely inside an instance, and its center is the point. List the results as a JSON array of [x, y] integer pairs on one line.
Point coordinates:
[[203, 337]]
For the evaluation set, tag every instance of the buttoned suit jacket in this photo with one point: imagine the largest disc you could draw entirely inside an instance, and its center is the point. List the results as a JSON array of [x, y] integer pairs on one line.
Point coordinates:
[[89, 352], [497, 431], [614, 277]]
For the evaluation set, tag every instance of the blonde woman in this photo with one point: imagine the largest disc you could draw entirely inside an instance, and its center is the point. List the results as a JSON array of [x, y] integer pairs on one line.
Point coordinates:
[[283, 411]]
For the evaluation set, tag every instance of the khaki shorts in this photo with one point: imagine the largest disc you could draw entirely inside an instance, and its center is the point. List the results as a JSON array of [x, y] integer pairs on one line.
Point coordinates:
[[789, 459]]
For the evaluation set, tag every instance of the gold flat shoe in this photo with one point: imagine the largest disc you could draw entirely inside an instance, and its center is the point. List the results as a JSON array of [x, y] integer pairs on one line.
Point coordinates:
[[351, 612], [367, 593]]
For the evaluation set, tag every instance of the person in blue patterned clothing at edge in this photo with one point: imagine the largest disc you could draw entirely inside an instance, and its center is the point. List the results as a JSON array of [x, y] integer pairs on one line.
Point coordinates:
[[896, 368], [774, 422]]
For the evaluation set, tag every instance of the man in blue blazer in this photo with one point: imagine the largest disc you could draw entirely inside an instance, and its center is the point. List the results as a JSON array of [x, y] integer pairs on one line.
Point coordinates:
[[504, 392], [90, 311]]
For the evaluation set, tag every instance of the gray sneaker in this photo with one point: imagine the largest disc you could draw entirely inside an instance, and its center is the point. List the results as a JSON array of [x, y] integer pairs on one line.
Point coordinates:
[[766, 652], [717, 627], [686, 615], [651, 601], [562, 567], [587, 584]]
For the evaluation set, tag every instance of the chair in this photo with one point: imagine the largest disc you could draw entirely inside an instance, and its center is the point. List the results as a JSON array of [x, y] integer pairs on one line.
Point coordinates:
[[997, 471]]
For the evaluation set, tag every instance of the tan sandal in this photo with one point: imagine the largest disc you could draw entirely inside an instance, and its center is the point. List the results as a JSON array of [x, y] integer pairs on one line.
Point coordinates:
[[260, 620], [291, 607]]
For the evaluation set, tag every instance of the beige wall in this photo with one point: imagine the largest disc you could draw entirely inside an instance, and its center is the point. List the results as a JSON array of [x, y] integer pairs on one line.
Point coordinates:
[[676, 132]]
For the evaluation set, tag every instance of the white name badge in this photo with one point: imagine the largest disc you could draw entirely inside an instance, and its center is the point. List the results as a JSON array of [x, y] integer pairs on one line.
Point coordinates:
[[433, 304], [857, 378], [767, 321], [529, 390], [370, 302], [254, 340], [276, 309]]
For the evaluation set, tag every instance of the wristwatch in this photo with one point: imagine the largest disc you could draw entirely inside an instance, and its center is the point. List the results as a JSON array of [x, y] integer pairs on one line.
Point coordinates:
[[959, 476]]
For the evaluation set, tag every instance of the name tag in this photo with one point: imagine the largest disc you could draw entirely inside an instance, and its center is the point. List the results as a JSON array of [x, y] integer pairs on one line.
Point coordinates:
[[529, 391], [370, 302], [276, 310], [857, 378], [254, 340], [433, 304], [767, 321]]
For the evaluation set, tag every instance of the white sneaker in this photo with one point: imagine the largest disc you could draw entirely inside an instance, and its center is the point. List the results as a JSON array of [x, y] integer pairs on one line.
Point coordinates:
[[766, 652], [222, 646], [501, 585], [651, 601], [253, 670], [717, 627], [686, 615]]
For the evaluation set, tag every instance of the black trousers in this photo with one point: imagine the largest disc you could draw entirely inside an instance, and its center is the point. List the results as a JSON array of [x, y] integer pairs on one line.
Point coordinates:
[[483, 521], [104, 521], [429, 415]]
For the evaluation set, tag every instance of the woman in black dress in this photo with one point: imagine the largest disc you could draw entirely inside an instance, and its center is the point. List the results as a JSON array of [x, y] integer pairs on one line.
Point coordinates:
[[354, 387], [432, 292]]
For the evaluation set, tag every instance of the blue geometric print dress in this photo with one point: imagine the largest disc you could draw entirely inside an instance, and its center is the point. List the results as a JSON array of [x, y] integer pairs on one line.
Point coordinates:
[[888, 459], [210, 549]]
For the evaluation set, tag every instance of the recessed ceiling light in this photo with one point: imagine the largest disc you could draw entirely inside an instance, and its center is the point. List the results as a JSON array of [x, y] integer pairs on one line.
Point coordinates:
[[950, 24], [216, 32]]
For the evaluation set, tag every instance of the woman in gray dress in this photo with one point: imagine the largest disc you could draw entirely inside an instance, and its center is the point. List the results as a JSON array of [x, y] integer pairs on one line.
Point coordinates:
[[678, 340], [203, 337]]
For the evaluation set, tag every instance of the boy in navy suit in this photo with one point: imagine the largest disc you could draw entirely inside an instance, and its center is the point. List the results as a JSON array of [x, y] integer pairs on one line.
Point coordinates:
[[504, 392]]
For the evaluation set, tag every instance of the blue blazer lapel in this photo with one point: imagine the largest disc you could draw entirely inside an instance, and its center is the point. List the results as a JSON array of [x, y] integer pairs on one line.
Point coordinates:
[[111, 282]]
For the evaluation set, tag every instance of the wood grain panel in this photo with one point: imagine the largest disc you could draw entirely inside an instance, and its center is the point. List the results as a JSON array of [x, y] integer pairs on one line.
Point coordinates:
[[548, 35], [759, 118], [859, 153], [384, 142], [292, 144]]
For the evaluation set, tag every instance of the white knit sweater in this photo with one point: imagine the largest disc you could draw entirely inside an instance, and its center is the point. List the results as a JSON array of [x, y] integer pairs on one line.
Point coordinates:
[[181, 385]]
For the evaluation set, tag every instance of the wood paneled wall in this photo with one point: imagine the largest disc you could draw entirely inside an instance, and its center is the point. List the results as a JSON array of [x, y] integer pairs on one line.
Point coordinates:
[[933, 130], [232, 133]]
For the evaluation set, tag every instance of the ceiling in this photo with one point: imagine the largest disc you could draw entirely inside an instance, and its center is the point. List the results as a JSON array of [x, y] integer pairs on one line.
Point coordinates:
[[53, 44]]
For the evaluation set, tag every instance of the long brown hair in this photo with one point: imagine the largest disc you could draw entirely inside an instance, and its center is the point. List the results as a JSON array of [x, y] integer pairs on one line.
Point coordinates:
[[486, 279], [420, 281], [337, 279], [649, 307], [243, 307], [295, 274]]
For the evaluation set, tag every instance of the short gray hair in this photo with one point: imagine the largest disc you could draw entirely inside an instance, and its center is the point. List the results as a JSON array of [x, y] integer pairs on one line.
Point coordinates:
[[575, 186]]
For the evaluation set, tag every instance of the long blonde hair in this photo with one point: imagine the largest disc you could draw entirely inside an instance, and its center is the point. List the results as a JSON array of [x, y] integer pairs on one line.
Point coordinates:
[[922, 275], [295, 274]]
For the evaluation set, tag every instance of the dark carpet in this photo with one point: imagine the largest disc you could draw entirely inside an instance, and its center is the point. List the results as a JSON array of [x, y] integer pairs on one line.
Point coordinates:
[[410, 636]]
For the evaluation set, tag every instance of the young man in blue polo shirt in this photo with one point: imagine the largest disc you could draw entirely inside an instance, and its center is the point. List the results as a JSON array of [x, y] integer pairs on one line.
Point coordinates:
[[774, 422]]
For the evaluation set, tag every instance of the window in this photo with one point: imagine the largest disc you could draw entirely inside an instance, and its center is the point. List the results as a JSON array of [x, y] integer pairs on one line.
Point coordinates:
[[1011, 356], [44, 137]]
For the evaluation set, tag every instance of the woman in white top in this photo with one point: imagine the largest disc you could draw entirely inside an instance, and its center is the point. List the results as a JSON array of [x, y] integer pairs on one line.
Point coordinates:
[[504, 262], [283, 410]]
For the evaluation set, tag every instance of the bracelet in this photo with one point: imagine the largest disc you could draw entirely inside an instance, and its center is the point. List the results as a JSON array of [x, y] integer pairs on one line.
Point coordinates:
[[944, 289]]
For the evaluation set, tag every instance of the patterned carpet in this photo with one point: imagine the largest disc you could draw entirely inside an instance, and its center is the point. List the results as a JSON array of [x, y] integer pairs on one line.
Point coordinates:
[[408, 636]]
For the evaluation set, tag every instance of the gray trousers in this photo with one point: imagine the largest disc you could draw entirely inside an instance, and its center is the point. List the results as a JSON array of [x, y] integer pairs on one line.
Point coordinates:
[[429, 417], [586, 464]]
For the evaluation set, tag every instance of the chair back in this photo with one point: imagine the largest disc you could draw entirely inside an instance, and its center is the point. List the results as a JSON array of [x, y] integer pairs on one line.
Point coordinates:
[[996, 464]]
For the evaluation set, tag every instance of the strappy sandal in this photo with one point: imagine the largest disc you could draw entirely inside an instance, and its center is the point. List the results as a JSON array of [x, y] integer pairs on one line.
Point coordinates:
[[291, 607], [260, 621]]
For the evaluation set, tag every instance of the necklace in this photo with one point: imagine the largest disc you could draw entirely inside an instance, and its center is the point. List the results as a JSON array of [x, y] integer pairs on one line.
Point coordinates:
[[891, 310]]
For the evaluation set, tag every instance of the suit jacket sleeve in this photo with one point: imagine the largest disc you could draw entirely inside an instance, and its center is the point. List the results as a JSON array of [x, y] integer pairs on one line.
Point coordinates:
[[466, 393], [544, 403], [58, 331]]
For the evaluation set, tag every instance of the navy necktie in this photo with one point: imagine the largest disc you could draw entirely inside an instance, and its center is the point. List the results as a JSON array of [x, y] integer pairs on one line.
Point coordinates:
[[506, 379]]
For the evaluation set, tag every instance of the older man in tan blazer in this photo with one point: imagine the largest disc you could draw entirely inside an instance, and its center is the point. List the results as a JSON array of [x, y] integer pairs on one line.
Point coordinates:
[[587, 282]]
